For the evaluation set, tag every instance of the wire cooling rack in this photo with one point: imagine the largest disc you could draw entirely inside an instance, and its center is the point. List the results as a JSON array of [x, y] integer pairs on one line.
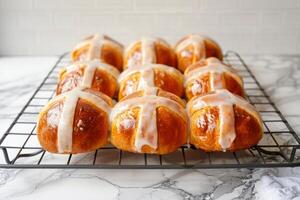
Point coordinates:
[[278, 148]]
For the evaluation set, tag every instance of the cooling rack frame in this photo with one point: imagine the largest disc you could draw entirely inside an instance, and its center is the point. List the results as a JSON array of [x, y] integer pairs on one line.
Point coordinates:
[[276, 154]]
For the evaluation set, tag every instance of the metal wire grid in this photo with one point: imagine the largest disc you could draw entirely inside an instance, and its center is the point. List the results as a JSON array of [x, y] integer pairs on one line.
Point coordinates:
[[277, 149]]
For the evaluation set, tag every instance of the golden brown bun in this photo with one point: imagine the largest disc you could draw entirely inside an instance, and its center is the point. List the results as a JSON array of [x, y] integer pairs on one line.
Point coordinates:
[[162, 76], [205, 122], [161, 51], [193, 48], [171, 125], [90, 122], [98, 76], [99, 47], [211, 74]]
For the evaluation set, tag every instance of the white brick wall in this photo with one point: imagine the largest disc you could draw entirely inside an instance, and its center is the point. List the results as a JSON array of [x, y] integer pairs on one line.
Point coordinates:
[[51, 27]]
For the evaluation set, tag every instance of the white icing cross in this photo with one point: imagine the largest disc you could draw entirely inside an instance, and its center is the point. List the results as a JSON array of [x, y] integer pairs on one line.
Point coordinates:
[[147, 127], [224, 100], [95, 47], [148, 50], [147, 123], [88, 74], [147, 79]]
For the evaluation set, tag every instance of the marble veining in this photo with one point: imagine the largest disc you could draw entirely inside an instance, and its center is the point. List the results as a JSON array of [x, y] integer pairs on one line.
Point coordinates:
[[152, 184], [279, 75]]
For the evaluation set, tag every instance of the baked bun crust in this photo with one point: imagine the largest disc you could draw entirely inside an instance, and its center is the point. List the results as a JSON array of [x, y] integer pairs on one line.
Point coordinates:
[[155, 124], [151, 75], [195, 47], [210, 75], [222, 121], [75, 122], [98, 76], [149, 50], [99, 47]]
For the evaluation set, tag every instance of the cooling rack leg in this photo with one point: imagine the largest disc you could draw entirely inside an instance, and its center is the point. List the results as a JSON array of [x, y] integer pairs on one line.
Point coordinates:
[[6, 157], [26, 155], [293, 153]]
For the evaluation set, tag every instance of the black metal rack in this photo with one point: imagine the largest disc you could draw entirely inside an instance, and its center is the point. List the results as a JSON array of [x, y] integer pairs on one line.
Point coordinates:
[[278, 147]]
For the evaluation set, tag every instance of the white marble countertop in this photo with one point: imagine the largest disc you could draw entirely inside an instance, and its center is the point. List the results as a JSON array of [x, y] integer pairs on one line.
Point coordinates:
[[280, 76]]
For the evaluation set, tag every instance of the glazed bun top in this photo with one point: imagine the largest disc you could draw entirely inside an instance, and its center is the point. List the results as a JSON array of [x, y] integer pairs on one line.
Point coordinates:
[[63, 117], [92, 74], [204, 63], [99, 47], [195, 47], [213, 66], [225, 101], [149, 50], [155, 91], [150, 75], [147, 132]]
